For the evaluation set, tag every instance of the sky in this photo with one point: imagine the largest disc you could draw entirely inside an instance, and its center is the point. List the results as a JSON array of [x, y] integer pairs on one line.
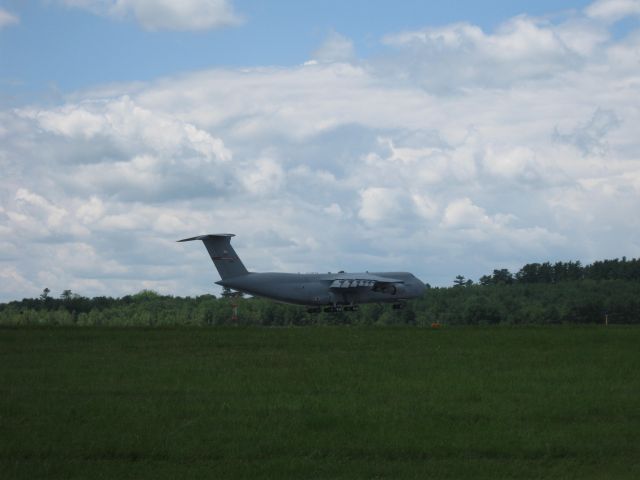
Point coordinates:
[[441, 138]]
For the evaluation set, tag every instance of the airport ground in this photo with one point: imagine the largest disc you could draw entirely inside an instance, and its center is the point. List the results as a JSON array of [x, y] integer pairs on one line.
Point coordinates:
[[320, 402]]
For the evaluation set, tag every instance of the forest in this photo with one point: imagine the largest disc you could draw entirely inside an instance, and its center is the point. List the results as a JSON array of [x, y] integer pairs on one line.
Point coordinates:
[[606, 291]]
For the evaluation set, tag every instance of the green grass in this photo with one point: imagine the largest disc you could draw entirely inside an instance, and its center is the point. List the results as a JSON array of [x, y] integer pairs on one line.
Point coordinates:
[[534, 402]]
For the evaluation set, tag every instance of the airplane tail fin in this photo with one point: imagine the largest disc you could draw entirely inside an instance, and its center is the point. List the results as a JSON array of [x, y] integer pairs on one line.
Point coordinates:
[[222, 253]]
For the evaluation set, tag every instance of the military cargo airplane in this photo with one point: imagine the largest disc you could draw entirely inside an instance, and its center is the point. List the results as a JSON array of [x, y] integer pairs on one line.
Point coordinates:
[[332, 291]]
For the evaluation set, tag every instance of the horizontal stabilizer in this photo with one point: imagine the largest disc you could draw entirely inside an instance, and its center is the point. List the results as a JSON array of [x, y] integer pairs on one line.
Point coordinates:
[[211, 235]]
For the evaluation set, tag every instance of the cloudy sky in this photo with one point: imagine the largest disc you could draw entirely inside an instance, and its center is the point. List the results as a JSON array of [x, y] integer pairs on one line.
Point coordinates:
[[441, 138]]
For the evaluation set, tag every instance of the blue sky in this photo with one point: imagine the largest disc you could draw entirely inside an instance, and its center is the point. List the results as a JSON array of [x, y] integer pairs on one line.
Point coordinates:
[[441, 138], [57, 47]]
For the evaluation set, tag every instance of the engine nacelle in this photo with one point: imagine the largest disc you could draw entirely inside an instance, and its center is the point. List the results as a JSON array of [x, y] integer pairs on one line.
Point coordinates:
[[391, 289]]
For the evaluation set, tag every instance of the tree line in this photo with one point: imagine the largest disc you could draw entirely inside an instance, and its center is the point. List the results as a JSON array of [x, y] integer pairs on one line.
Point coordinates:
[[616, 269], [539, 293]]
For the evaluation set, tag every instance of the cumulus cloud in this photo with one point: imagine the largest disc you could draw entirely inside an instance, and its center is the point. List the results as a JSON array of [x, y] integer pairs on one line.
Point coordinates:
[[463, 213], [462, 55], [124, 121], [264, 176], [165, 14], [7, 19], [477, 150], [379, 203], [613, 10]]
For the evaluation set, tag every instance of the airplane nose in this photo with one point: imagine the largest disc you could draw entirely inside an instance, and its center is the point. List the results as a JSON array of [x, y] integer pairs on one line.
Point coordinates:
[[420, 286]]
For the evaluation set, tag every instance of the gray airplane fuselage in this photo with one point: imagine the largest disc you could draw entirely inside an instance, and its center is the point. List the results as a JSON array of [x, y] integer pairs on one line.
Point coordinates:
[[312, 289]]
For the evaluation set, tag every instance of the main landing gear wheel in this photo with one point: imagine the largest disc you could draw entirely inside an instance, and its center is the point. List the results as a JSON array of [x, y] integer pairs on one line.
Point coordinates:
[[337, 308]]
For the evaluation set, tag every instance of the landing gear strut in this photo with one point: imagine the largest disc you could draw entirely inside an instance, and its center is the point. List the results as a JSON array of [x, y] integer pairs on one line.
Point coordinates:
[[398, 306]]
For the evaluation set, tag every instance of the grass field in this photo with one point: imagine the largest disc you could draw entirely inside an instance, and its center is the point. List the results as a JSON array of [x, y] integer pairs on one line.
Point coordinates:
[[534, 402]]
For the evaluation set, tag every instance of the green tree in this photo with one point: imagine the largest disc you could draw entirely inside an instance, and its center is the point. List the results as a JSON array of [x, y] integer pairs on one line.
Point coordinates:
[[146, 294], [459, 281], [502, 276]]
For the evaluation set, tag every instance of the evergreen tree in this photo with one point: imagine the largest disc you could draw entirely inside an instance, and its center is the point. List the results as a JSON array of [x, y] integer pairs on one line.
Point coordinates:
[[459, 281]]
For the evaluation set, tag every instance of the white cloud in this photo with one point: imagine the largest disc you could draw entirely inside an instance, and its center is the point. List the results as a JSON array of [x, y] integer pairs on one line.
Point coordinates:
[[166, 14], [334, 210], [130, 126], [15, 285], [72, 122], [462, 55], [262, 177], [463, 213], [379, 204], [581, 35], [624, 56], [520, 38], [517, 163], [52, 215], [335, 48], [91, 210], [613, 10], [7, 19]]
